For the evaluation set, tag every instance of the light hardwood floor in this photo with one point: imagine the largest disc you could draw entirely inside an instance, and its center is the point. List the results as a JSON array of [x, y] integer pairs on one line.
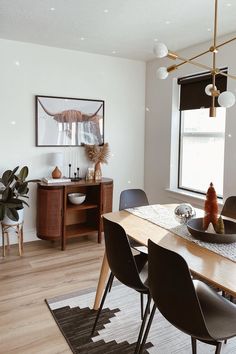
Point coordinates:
[[26, 325]]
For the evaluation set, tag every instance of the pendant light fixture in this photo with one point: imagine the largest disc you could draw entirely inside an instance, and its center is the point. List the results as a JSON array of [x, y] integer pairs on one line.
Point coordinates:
[[225, 99]]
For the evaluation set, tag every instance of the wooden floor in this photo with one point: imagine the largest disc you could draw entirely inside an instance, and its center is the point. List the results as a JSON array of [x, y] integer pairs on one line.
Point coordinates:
[[26, 325]]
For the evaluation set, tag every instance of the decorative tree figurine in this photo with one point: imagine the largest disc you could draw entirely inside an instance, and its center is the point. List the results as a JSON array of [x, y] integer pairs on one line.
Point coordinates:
[[97, 154], [220, 228], [210, 208]]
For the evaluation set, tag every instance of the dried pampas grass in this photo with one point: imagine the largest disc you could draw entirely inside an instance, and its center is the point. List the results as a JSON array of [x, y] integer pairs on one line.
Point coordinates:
[[97, 154]]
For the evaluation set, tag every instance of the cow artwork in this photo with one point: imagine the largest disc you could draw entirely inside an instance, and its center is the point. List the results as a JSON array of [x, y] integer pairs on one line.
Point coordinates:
[[69, 121]]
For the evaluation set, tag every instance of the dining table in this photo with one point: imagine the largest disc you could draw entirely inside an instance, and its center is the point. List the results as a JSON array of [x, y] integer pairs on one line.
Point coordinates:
[[205, 264]]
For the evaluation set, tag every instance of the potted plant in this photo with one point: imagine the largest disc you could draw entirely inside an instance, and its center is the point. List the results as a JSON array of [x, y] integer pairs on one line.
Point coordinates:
[[13, 190]]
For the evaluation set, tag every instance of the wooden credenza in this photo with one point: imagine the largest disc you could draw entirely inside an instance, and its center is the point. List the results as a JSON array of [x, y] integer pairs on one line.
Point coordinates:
[[58, 219]]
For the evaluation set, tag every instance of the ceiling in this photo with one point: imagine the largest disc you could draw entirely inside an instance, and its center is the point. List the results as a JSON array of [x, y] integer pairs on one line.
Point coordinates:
[[123, 28]]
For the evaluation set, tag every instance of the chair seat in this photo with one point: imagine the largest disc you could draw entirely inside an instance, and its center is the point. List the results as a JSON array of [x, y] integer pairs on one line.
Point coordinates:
[[219, 313]]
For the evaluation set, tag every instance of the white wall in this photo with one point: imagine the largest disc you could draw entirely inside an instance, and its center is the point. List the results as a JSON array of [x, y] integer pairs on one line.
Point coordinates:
[[57, 72], [158, 123]]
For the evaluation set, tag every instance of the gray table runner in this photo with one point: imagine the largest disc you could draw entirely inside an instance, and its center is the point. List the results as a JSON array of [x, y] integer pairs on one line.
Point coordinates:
[[165, 217]]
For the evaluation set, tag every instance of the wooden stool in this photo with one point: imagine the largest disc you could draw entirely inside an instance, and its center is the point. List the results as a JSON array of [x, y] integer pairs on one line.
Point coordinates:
[[18, 228]]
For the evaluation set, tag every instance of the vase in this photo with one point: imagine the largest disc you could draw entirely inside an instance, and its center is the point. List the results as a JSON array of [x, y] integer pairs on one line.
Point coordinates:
[[97, 171]]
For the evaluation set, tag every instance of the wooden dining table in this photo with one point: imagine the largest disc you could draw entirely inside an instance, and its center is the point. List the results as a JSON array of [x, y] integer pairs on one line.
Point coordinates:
[[203, 263]]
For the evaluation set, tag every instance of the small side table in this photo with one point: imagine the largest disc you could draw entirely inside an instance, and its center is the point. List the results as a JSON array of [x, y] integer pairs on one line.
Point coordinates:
[[18, 228]]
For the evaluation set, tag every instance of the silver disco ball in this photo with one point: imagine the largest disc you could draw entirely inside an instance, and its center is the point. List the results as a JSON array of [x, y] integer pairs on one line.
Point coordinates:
[[184, 212]]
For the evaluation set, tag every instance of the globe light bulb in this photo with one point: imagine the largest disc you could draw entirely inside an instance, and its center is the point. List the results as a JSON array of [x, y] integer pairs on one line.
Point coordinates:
[[226, 99], [209, 88], [162, 73], [160, 50]]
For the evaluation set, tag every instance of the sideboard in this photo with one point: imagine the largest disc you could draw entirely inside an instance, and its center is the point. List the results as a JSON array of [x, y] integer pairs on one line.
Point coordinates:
[[58, 219]]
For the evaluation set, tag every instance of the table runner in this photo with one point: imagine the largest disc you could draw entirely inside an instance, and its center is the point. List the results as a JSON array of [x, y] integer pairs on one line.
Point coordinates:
[[165, 217]]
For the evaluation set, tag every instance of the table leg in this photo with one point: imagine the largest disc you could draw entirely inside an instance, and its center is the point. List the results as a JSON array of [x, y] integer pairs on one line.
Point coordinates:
[[101, 282]]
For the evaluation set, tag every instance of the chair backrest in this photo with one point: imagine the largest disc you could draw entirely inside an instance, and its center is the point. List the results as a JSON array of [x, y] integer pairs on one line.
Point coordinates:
[[131, 198], [119, 255], [229, 207], [173, 291]]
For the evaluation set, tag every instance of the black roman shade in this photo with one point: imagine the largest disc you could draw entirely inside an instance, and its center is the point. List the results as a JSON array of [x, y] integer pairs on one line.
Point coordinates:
[[192, 90]]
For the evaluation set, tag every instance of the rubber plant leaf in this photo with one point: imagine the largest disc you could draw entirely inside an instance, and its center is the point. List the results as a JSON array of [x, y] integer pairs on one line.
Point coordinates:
[[23, 173], [7, 177], [12, 214]]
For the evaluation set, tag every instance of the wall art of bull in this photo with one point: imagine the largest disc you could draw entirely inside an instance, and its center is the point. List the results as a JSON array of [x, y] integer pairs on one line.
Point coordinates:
[[69, 121]]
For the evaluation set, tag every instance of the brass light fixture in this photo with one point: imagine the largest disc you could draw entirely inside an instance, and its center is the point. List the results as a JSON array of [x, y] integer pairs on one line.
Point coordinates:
[[225, 99]]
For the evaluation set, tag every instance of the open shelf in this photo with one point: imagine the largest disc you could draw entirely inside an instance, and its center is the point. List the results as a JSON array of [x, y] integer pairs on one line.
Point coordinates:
[[79, 230], [83, 206]]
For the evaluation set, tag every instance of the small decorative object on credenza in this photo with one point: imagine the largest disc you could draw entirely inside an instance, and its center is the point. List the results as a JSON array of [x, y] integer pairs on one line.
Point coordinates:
[[50, 180], [97, 154], [212, 227], [56, 159]]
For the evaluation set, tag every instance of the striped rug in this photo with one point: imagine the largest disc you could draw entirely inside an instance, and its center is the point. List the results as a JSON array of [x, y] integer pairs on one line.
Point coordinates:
[[118, 326]]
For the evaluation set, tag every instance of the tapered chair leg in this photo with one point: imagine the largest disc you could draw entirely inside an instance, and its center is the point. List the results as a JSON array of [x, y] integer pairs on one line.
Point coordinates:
[[139, 348], [218, 348], [109, 283], [194, 345], [141, 302]]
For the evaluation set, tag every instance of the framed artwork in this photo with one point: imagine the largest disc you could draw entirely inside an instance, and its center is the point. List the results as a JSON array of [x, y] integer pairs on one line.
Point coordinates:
[[62, 121]]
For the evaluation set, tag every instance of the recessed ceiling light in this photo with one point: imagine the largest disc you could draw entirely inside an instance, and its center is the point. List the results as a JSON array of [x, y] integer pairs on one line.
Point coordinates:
[[155, 39], [52, 9], [13, 122], [82, 38], [106, 11], [229, 136], [209, 29], [229, 4], [114, 52], [17, 63], [167, 22]]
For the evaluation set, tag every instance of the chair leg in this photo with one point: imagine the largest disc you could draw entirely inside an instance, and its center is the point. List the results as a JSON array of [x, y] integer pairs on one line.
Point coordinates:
[[218, 348], [111, 284], [194, 345], [139, 348], [110, 280], [141, 302]]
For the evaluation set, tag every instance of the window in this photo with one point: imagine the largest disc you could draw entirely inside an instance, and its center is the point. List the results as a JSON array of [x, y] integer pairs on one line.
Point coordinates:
[[201, 138], [201, 157]]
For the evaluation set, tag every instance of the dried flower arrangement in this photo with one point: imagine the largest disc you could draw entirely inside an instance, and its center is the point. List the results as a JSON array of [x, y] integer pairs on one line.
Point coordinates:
[[97, 154]]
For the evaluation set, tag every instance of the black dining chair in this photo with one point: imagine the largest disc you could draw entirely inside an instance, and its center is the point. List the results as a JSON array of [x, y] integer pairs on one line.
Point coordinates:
[[229, 207], [128, 269], [229, 210], [190, 305], [131, 198]]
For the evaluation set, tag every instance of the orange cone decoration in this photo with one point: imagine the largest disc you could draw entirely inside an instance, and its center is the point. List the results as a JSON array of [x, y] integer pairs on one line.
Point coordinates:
[[210, 208]]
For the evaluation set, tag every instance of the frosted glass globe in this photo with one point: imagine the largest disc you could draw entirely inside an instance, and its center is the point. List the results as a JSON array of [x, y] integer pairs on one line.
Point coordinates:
[[226, 99], [160, 50], [162, 73], [208, 89]]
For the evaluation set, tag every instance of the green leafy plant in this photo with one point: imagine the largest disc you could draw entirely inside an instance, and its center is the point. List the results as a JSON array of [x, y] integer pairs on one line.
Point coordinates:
[[13, 190]]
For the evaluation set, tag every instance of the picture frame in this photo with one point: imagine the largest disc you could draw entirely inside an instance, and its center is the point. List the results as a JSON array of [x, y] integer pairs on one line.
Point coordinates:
[[65, 121]]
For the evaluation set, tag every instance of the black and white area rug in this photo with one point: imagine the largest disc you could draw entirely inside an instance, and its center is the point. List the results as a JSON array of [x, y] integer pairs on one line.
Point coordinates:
[[118, 326]]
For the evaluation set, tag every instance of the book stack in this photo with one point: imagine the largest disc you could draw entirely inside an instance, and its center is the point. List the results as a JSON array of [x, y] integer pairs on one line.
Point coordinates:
[[55, 180]]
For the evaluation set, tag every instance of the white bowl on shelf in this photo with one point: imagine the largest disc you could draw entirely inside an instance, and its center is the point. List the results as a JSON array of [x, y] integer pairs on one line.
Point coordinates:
[[76, 198]]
